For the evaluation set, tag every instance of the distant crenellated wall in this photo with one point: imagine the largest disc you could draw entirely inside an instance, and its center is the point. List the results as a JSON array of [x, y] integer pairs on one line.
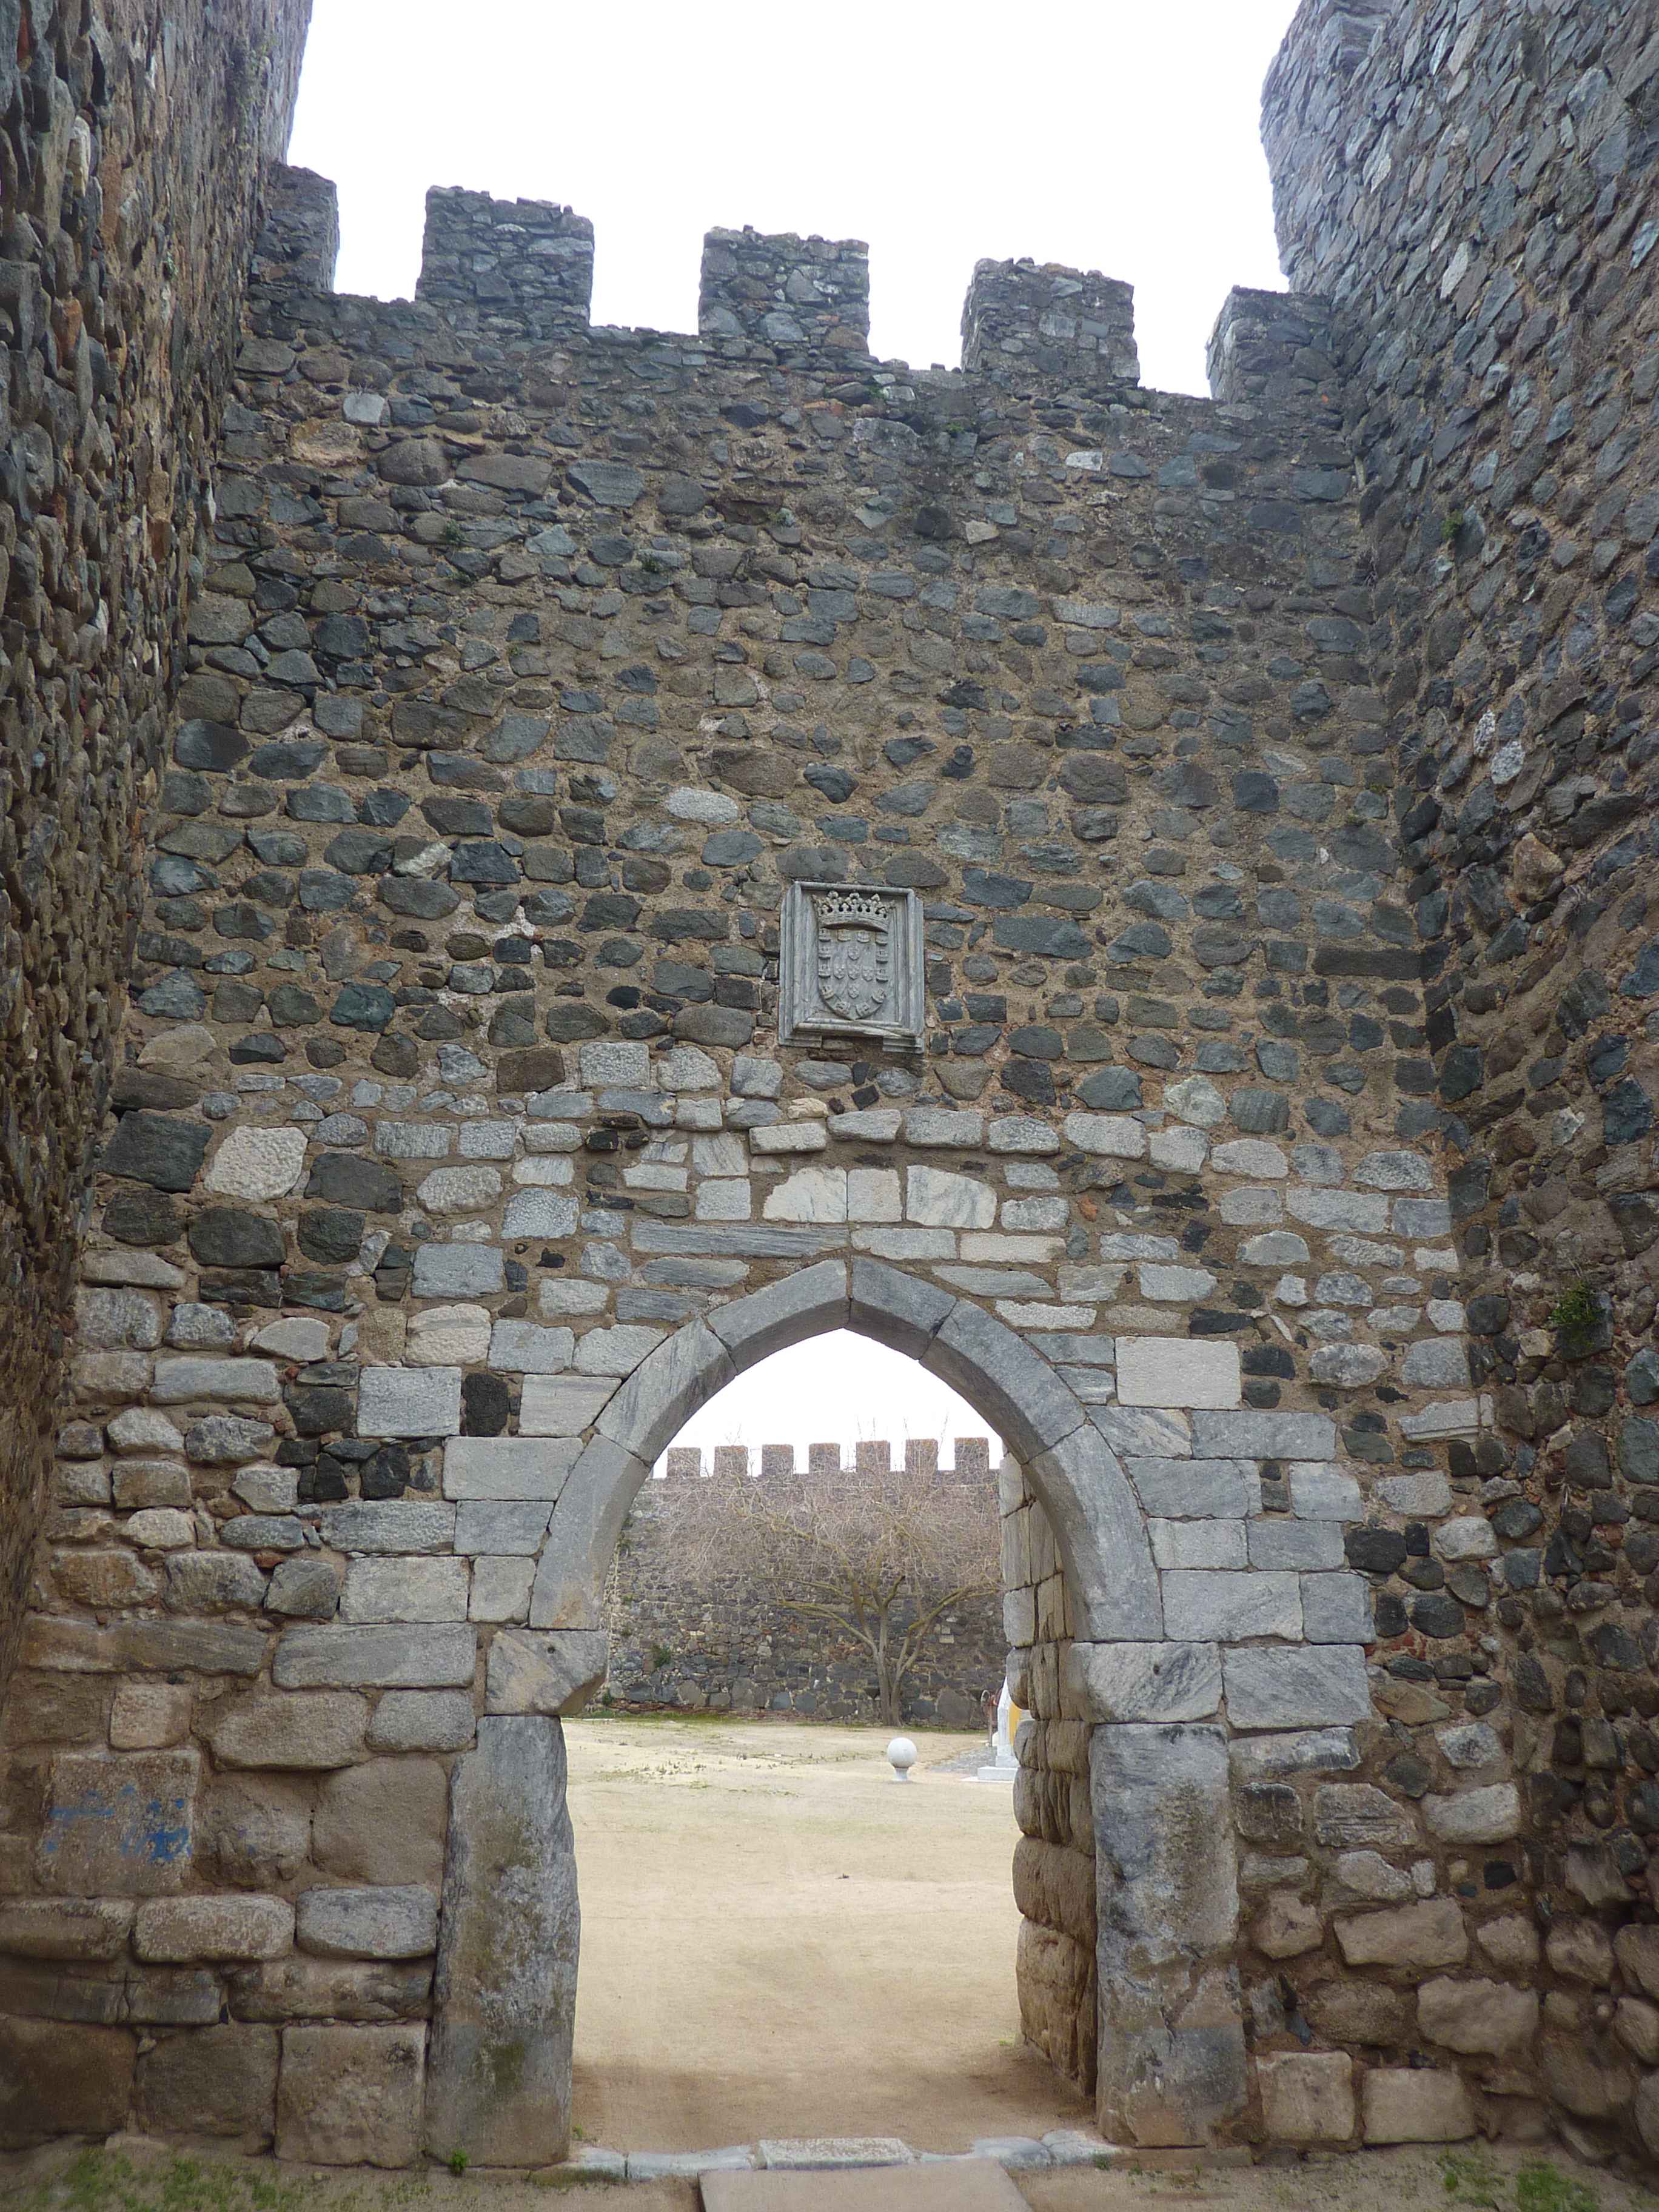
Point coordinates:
[[728, 1649]]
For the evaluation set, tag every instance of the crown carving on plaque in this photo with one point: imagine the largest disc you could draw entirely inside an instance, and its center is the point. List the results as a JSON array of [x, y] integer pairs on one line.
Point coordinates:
[[852, 910]]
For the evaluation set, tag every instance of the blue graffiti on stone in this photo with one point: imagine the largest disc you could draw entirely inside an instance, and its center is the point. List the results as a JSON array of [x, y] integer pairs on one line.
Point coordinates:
[[153, 1829]]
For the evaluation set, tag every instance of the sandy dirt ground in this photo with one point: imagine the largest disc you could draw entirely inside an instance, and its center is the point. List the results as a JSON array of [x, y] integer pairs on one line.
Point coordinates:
[[780, 1939]]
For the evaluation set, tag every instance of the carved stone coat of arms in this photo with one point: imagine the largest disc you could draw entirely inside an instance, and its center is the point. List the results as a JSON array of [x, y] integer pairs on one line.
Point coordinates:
[[851, 964]]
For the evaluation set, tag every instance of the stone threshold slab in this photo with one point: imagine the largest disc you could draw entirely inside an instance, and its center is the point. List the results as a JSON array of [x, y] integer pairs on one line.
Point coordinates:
[[973, 2184]]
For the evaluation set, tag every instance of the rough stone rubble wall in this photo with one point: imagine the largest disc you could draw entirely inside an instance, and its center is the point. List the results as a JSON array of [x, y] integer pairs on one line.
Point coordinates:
[[725, 1647], [450, 1129], [1473, 188], [131, 136]]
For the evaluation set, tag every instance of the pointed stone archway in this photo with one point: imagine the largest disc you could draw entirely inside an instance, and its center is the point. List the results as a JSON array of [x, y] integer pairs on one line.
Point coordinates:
[[499, 2075], [1097, 1520]]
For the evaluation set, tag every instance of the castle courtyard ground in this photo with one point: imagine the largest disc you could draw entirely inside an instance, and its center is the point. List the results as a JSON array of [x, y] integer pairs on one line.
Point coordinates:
[[777, 1939]]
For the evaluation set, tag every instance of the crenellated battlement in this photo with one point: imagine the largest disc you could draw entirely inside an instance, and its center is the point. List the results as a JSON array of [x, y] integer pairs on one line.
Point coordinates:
[[299, 241], [780, 291], [524, 271], [826, 1462], [1025, 322], [529, 262], [1271, 347]]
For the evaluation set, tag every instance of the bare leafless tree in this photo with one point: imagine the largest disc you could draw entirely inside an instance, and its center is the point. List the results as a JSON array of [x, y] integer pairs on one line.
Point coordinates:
[[881, 1554]]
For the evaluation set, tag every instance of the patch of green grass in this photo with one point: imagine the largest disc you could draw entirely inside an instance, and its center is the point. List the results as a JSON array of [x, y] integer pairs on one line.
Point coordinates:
[[1470, 2178], [107, 2181], [1541, 2187], [1575, 1315]]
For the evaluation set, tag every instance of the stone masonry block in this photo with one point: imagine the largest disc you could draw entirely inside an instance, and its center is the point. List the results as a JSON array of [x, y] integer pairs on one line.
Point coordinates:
[[1111, 1582], [582, 1536], [502, 1527], [1203, 1608], [409, 1401], [900, 1310], [57, 2079], [1430, 1934], [1477, 2016], [65, 1928], [190, 1927], [121, 1825], [1246, 1434], [1296, 1687], [802, 1305], [1003, 1380], [1143, 1681], [504, 2004], [292, 1728], [1173, 2068], [396, 1921], [351, 2096], [394, 1526], [383, 1822], [217, 2081], [405, 1589], [402, 1658], [540, 1673], [1414, 2105], [1196, 1489], [499, 1467], [1169, 1371], [665, 1389], [423, 1720], [1307, 2096], [1198, 1544], [303, 1988], [563, 1405], [1337, 1609]]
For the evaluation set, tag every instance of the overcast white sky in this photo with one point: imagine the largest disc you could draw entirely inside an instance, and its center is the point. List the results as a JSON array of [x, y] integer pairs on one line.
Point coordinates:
[[837, 1390], [1117, 135]]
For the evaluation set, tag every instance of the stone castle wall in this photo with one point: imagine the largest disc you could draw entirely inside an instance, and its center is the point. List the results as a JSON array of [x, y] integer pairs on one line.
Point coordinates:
[[724, 1649], [455, 1161], [453, 1158], [132, 138], [1472, 189]]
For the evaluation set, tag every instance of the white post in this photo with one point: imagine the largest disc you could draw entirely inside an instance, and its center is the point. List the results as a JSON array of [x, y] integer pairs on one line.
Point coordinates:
[[1006, 1765]]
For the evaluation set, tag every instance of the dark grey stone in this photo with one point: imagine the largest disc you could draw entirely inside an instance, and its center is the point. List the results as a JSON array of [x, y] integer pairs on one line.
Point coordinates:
[[157, 1149], [344, 1180]]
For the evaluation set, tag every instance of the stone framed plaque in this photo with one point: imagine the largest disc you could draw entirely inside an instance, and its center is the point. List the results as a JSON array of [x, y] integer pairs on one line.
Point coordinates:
[[850, 965]]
